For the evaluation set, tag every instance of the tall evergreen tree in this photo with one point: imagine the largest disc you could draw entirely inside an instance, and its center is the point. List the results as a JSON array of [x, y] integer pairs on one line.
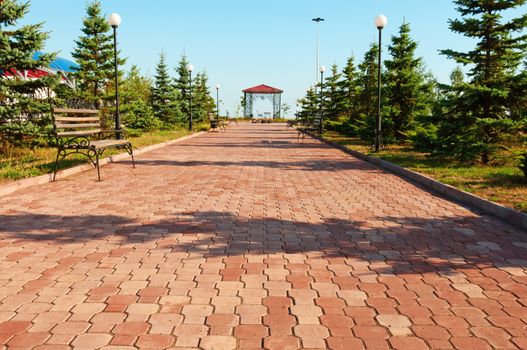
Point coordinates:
[[367, 97], [406, 91], [332, 95], [349, 89], [308, 105], [21, 103], [94, 52], [493, 68], [182, 84], [165, 99], [203, 103]]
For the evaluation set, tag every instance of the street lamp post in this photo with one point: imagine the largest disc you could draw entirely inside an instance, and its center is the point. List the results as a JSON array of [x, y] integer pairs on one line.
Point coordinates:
[[217, 101], [190, 68], [317, 21], [115, 20], [321, 97], [380, 23]]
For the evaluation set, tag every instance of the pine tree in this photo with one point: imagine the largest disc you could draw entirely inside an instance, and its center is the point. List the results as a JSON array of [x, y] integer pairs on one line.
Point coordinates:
[[203, 103], [94, 52], [406, 91], [332, 95], [367, 97], [308, 105], [165, 99], [493, 68], [348, 87], [182, 85], [22, 103]]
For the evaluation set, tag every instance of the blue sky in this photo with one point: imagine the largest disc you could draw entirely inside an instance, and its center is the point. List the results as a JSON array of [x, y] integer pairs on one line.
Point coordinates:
[[245, 43]]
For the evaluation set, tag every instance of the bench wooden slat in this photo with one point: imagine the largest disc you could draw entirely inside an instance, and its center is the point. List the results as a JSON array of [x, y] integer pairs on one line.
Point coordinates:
[[75, 111], [77, 119], [108, 143], [79, 133], [77, 126]]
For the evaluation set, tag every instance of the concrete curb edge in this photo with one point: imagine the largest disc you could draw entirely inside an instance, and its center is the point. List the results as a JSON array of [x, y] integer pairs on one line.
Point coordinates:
[[511, 216]]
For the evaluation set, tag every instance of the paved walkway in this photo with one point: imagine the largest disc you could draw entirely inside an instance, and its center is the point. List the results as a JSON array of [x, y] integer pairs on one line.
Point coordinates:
[[250, 240]]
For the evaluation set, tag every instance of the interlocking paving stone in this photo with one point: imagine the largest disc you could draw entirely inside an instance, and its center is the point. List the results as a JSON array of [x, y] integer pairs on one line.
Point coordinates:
[[253, 239]]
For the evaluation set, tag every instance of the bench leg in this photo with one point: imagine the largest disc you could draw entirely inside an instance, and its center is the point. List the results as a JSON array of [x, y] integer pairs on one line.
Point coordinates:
[[56, 167], [132, 155], [97, 165]]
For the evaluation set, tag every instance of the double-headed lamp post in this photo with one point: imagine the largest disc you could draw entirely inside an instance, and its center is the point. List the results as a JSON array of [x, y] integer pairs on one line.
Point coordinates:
[[190, 68], [218, 101], [380, 23], [115, 20], [322, 69]]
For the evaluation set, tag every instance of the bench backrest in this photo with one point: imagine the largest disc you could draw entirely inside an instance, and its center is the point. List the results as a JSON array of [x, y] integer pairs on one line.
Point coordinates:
[[76, 122], [317, 119]]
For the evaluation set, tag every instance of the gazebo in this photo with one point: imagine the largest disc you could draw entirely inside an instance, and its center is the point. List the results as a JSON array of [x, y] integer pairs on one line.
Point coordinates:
[[262, 92]]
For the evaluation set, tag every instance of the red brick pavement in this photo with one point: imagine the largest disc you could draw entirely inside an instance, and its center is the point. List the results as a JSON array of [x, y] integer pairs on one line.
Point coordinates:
[[250, 240]]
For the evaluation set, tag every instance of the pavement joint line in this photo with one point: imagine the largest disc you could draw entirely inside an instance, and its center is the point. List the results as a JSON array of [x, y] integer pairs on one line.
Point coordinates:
[[509, 215], [14, 186]]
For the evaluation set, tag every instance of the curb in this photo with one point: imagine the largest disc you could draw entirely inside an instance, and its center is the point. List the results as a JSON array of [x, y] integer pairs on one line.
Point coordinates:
[[511, 216], [42, 179]]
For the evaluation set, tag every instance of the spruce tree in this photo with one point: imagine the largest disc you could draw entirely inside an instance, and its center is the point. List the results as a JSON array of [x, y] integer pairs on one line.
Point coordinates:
[[203, 103], [405, 89], [332, 96], [165, 101], [22, 101], [367, 97], [94, 52], [308, 105], [348, 87], [499, 50], [182, 85]]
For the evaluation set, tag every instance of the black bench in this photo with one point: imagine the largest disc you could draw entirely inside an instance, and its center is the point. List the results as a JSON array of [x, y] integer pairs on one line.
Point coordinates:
[[311, 125], [79, 131]]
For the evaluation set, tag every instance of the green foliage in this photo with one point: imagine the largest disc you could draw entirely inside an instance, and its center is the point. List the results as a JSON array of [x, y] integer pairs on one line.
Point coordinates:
[[332, 95], [24, 102], [405, 89], [308, 105], [138, 114], [349, 90], [367, 97], [165, 98], [94, 52], [482, 116], [202, 101], [522, 164], [182, 85], [135, 87]]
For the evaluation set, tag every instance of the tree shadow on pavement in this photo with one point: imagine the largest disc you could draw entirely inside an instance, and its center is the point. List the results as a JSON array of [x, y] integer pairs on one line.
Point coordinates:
[[392, 245]]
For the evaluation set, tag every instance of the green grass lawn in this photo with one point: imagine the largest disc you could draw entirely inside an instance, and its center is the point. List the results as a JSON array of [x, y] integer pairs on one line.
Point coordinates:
[[19, 163], [503, 183]]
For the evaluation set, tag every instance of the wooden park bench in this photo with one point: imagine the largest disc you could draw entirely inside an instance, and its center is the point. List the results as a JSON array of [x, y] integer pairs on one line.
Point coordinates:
[[217, 123], [79, 131], [312, 125]]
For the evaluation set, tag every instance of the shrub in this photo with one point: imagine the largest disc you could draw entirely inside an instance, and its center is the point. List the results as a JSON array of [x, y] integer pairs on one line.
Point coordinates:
[[139, 115]]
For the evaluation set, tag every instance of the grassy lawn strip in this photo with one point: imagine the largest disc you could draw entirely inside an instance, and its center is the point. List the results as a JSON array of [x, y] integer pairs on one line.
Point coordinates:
[[503, 183], [23, 162]]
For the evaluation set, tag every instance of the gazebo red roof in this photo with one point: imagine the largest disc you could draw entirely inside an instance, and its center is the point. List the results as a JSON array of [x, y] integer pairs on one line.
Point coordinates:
[[263, 89]]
